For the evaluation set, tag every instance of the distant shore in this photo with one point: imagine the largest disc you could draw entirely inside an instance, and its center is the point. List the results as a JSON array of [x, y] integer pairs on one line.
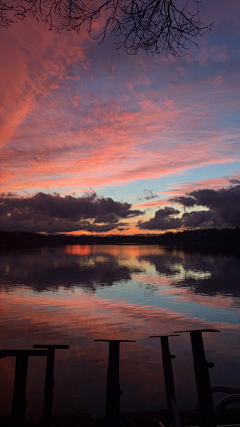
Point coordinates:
[[204, 241]]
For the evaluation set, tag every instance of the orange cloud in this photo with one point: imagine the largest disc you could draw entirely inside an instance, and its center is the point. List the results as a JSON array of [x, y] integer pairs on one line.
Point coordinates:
[[156, 203]]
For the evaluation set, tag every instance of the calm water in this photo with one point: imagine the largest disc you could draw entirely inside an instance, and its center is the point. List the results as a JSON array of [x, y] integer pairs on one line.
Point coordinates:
[[76, 294]]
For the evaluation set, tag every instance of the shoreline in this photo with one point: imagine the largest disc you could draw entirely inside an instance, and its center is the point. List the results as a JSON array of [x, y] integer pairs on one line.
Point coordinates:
[[135, 419], [199, 239]]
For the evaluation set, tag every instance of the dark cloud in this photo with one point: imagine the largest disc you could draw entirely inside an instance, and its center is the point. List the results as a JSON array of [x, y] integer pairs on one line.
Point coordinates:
[[203, 219], [164, 219], [185, 200], [223, 205], [149, 194], [53, 213], [219, 209], [234, 181]]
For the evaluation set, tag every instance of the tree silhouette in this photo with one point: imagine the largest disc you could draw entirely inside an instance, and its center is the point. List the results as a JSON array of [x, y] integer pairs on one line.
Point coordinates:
[[156, 26]]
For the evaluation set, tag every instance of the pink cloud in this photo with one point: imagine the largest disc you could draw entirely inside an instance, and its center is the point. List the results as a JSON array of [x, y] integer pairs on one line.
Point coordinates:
[[112, 140], [33, 60], [219, 80], [73, 119], [212, 53], [214, 183]]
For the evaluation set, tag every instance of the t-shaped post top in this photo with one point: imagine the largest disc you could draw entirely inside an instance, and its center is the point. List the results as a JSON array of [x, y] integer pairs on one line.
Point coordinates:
[[6, 353], [163, 336], [114, 340], [198, 330]]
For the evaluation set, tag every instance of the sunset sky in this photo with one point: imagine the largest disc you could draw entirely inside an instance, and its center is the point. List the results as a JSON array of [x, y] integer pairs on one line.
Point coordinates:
[[96, 141]]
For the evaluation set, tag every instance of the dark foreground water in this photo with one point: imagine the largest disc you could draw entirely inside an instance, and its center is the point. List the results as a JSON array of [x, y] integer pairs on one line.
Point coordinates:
[[76, 294]]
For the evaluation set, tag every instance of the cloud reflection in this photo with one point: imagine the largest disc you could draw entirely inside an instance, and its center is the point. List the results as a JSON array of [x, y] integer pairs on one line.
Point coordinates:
[[205, 275], [91, 267], [54, 268]]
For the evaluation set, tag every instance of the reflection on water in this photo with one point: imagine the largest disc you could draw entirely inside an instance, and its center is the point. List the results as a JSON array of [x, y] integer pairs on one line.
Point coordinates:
[[76, 294]]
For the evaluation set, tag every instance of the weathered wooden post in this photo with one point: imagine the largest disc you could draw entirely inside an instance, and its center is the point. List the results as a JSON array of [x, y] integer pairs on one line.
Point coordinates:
[[113, 386], [201, 366], [49, 380], [19, 402], [169, 380]]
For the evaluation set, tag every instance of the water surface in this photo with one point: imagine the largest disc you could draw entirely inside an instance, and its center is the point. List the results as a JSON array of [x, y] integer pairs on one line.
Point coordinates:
[[75, 294]]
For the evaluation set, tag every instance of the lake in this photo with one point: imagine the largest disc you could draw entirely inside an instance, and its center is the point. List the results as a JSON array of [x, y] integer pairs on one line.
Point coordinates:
[[76, 294]]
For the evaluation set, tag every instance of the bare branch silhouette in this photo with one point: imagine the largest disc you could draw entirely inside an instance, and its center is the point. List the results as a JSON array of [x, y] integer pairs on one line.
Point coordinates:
[[156, 26]]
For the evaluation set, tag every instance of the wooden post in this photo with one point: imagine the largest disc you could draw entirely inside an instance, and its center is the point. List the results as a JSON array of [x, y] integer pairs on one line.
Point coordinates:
[[19, 402], [169, 379], [205, 400], [113, 386], [49, 380]]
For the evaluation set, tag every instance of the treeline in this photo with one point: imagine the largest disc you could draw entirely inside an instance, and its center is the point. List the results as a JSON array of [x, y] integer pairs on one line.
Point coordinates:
[[207, 240]]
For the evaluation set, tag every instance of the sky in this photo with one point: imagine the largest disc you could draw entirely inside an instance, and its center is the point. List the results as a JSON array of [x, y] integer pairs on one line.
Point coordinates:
[[93, 141]]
